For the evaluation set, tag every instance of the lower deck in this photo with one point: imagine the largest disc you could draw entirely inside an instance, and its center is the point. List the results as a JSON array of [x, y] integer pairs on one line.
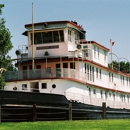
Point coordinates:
[[73, 91]]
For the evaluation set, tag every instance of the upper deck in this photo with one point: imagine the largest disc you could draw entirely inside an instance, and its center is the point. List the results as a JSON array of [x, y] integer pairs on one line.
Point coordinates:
[[61, 39]]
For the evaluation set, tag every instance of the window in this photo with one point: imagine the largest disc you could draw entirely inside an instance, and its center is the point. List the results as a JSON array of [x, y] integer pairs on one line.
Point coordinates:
[[101, 93], [89, 91], [112, 76], [44, 85], [37, 38], [85, 53], [105, 55], [85, 67], [123, 79], [90, 74], [97, 72], [124, 98], [100, 74], [121, 97], [98, 54], [24, 86], [65, 65], [24, 67], [76, 35], [93, 73], [109, 94], [55, 36], [38, 66], [61, 35], [109, 77], [106, 95], [128, 98], [48, 37], [69, 35], [95, 51], [72, 65], [88, 71], [57, 65], [127, 80], [94, 91], [58, 70], [114, 96]]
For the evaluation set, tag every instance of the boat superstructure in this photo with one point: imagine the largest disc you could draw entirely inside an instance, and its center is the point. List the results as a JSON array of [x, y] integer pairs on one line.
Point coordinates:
[[66, 63]]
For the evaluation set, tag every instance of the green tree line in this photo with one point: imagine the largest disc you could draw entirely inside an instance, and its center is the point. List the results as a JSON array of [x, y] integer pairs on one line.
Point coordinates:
[[120, 66]]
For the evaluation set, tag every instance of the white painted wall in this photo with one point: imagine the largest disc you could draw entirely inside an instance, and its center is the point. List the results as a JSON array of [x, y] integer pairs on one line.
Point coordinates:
[[99, 59]]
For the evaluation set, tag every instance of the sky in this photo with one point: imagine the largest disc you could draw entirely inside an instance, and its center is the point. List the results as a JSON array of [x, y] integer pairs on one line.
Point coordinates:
[[102, 19]]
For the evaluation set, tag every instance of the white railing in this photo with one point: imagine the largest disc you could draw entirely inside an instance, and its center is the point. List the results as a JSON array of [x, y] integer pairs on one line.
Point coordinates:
[[96, 101], [44, 73]]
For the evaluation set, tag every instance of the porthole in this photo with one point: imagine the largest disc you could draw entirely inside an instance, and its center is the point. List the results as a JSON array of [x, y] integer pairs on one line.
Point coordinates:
[[53, 86], [14, 88]]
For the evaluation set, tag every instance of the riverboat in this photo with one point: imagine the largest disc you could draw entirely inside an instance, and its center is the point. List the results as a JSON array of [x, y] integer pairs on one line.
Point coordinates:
[[59, 60]]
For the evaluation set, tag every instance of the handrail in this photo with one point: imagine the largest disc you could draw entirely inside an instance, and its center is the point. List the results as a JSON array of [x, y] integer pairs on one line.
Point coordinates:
[[44, 73]]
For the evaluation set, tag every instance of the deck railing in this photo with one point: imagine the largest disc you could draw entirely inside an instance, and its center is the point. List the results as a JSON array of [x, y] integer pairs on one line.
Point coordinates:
[[44, 73]]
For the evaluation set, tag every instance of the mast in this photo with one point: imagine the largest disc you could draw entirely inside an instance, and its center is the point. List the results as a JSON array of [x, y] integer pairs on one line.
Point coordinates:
[[32, 36], [111, 54]]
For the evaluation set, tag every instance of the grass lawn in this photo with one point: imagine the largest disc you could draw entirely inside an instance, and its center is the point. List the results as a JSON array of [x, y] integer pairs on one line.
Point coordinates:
[[119, 124]]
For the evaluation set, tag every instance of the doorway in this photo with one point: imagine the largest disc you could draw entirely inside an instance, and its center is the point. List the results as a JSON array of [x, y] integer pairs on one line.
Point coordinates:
[[34, 86]]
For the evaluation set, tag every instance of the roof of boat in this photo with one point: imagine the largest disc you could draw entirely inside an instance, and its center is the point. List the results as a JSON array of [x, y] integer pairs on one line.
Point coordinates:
[[83, 41], [74, 23]]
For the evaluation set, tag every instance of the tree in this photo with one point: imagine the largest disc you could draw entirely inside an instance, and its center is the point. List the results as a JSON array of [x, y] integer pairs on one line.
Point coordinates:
[[5, 46], [120, 66]]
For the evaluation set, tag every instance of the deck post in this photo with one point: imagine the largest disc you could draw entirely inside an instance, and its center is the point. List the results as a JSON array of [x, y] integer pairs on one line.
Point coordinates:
[[34, 112], [70, 111], [0, 113], [104, 110]]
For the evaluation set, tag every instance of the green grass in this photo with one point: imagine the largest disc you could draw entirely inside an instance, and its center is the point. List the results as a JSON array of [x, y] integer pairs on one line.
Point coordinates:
[[69, 125]]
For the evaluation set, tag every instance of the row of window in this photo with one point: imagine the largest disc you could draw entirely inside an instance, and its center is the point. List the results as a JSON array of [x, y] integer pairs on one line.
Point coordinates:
[[122, 79], [109, 95], [48, 37], [90, 72], [97, 53], [90, 75], [43, 86]]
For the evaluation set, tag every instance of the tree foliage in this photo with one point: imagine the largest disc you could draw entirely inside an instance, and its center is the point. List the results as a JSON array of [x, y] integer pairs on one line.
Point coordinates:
[[120, 66], [5, 46]]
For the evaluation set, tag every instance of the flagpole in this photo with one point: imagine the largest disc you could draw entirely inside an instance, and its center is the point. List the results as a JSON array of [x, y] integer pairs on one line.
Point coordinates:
[[111, 54], [32, 36]]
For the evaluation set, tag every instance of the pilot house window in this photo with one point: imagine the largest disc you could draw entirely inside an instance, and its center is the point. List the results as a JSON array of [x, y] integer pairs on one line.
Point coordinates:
[[69, 35], [48, 37]]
